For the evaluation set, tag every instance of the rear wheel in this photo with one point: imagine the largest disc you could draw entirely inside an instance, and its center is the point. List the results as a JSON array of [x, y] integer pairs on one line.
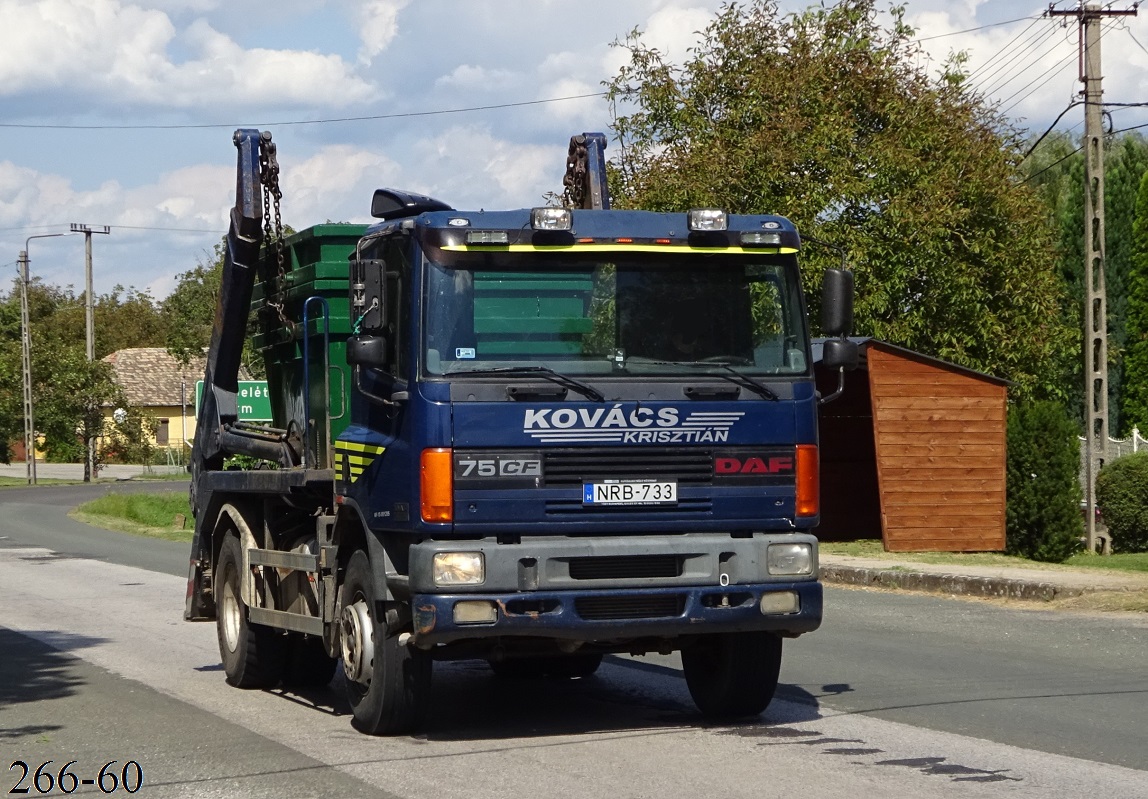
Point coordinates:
[[252, 654], [387, 685], [732, 675]]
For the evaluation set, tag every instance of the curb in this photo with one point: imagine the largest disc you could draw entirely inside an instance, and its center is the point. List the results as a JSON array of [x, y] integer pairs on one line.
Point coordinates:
[[997, 587]]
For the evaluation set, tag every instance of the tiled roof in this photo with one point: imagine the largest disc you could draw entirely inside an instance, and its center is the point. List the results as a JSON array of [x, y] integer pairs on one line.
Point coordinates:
[[150, 376]]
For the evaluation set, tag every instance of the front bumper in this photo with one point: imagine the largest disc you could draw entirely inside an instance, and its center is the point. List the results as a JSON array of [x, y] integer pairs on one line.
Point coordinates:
[[609, 614]]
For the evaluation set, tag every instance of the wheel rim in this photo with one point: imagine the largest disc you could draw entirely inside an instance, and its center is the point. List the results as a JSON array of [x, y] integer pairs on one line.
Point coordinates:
[[356, 642], [230, 614]]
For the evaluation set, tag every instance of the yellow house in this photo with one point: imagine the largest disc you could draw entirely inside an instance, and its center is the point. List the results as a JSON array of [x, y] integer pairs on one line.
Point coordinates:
[[163, 388]]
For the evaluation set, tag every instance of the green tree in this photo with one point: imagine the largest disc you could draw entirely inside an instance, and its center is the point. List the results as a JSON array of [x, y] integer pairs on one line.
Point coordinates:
[[130, 437], [831, 120], [126, 318], [1122, 495], [189, 311], [1042, 519], [1135, 395], [1056, 170], [190, 308]]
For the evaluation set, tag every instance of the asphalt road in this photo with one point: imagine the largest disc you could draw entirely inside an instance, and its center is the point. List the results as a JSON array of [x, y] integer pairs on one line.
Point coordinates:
[[896, 695]]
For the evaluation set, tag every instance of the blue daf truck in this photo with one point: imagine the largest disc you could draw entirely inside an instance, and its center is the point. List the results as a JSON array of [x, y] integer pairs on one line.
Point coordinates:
[[529, 437]]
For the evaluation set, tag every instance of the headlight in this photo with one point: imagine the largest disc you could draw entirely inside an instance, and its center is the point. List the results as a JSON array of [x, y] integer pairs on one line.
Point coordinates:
[[458, 568], [789, 559]]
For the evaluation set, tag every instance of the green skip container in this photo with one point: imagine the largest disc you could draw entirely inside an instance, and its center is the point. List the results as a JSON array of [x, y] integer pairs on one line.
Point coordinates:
[[316, 264]]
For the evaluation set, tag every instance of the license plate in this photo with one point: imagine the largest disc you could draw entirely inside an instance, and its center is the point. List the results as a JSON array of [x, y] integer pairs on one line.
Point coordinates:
[[630, 492]]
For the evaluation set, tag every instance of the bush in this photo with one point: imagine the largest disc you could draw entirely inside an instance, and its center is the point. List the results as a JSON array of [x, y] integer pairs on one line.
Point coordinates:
[[1122, 495], [1043, 519]]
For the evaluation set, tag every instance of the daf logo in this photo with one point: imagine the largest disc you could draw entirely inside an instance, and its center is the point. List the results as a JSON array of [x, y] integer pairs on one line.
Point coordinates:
[[777, 464]]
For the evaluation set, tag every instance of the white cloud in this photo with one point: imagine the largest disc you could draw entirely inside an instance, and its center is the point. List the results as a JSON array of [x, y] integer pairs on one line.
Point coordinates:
[[672, 30], [379, 24], [106, 47], [477, 78], [335, 183], [467, 167]]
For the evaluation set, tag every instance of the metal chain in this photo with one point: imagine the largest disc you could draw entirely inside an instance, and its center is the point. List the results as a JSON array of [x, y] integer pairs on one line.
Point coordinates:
[[269, 178], [576, 169]]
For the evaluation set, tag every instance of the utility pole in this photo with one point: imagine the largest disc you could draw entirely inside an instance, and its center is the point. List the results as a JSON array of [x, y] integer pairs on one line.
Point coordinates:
[[1088, 17], [26, 371], [89, 325], [26, 357]]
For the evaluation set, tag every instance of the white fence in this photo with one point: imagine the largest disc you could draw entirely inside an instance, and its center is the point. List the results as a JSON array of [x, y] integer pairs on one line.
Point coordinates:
[[1117, 448]]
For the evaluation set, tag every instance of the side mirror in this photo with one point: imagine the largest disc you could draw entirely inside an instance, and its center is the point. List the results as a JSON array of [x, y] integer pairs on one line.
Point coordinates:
[[368, 351], [837, 303], [838, 353]]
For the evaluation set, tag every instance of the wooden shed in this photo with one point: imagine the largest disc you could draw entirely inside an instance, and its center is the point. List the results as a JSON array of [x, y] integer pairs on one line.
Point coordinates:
[[913, 452]]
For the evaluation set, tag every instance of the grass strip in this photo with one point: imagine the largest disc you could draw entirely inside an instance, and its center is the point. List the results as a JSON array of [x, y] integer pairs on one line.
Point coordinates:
[[156, 515], [872, 548]]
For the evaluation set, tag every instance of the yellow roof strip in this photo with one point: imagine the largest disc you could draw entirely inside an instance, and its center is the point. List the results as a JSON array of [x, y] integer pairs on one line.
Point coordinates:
[[616, 247]]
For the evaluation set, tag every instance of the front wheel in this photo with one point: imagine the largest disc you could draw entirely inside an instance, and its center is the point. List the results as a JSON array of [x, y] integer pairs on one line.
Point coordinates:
[[387, 685], [732, 675]]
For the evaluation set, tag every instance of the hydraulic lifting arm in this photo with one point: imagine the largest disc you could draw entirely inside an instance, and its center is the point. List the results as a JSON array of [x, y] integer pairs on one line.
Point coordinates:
[[219, 432], [585, 179]]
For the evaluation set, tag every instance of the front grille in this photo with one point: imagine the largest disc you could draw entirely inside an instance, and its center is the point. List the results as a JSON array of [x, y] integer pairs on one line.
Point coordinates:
[[625, 567], [589, 464], [610, 608]]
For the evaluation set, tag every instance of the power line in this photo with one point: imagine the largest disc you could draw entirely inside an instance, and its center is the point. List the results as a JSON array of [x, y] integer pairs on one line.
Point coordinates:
[[1022, 64], [219, 230], [1009, 54], [1054, 163], [1142, 47], [285, 123], [1048, 75], [1006, 49], [1011, 46], [971, 30], [1059, 116]]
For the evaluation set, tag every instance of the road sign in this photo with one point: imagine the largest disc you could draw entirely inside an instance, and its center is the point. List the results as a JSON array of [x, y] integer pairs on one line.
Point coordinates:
[[254, 400]]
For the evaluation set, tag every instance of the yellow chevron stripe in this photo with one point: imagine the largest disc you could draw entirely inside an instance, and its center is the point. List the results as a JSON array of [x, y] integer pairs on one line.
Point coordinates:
[[354, 446], [348, 461]]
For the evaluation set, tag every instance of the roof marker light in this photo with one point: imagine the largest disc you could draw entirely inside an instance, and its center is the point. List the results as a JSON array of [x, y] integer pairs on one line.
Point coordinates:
[[551, 218], [753, 237], [705, 219], [487, 237]]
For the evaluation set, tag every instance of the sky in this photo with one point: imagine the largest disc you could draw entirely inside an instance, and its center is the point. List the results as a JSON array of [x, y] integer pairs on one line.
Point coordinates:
[[121, 113]]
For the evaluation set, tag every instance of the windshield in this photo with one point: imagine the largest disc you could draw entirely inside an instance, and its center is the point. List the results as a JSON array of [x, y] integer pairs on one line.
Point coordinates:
[[647, 313]]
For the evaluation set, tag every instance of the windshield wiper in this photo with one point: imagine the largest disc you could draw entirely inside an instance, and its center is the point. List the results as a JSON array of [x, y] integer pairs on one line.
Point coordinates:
[[729, 373], [545, 372]]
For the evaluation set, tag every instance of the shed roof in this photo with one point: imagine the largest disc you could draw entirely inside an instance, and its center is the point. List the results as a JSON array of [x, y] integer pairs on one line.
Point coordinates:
[[865, 341]]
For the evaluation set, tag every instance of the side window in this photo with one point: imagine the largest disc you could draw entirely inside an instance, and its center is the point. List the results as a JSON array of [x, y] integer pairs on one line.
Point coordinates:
[[398, 276]]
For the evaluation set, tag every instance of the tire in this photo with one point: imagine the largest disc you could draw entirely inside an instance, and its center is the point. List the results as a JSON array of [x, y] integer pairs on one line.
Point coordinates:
[[732, 675], [253, 655], [308, 664], [563, 667], [387, 685]]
